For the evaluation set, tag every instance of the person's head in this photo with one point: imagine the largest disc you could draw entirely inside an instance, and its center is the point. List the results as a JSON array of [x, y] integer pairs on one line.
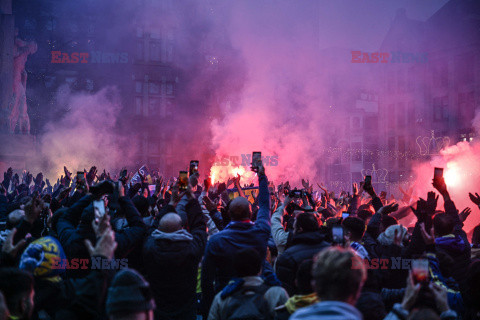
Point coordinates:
[[247, 262], [354, 228], [14, 218], [240, 209], [338, 274], [142, 205], [371, 305], [17, 288], [305, 222], [365, 215], [129, 297], [170, 222], [303, 279], [388, 236], [442, 224], [386, 222]]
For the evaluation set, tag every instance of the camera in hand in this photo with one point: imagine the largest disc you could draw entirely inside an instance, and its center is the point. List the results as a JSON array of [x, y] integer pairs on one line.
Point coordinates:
[[183, 180], [296, 193], [256, 160], [193, 166]]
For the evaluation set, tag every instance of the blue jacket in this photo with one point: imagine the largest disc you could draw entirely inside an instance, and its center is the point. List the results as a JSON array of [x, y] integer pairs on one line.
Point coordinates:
[[217, 265], [328, 310]]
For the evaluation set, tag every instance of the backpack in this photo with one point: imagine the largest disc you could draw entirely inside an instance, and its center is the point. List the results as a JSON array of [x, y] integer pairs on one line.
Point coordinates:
[[248, 303]]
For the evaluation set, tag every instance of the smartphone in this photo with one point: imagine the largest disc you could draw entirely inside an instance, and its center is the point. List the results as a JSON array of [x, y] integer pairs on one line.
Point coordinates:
[[183, 180], [368, 180], [337, 235], [437, 173], [80, 176], [420, 270], [256, 160], [296, 193], [345, 214], [98, 209], [193, 167]]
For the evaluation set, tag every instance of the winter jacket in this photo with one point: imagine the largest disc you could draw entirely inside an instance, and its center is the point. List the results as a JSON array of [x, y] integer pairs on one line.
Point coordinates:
[[398, 313], [171, 265], [328, 310], [217, 265], [280, 236], [274, 296], [304, 246]]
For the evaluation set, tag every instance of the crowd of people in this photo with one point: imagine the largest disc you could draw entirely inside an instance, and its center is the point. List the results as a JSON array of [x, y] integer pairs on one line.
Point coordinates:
[[96, 246]]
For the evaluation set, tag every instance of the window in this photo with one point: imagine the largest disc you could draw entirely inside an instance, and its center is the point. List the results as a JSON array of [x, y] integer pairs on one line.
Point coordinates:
[[401, 81], [169, 89], [154, 106], [155, 50], [138, 105], [440, 111], [139, 51], [440, 75], [464, 68], [466, 107], [400, 115], [391, 116], [154, 88], [357, 151], [412, 119], [138, 86]]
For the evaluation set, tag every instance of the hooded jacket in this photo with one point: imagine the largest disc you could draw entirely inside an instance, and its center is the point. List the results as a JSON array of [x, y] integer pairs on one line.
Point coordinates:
[[217, 265], [303, 247], [171, 265], [328, 310]]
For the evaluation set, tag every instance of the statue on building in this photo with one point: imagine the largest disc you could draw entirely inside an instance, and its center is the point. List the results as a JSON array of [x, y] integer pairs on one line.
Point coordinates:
[[17, 108]]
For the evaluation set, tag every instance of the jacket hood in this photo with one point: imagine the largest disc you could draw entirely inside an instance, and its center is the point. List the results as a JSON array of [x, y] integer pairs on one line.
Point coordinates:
[[300, 301], [451, 243], [179, 235], [331, 310], [308, 238]]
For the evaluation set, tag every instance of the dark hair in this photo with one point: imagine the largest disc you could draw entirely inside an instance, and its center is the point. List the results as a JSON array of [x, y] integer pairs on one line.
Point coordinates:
[[356, 226], [15, 284], [371, 305], [307, 221], [364, 214], [247, 262], [388, 221], [443, 224], [304, 277]]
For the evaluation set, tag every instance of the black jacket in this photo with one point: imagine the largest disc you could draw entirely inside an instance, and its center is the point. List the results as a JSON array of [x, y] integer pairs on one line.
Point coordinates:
[[171, 265], [303, 247]]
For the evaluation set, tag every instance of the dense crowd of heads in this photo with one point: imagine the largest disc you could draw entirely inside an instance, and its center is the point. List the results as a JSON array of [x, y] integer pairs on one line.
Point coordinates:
[[105, 246]]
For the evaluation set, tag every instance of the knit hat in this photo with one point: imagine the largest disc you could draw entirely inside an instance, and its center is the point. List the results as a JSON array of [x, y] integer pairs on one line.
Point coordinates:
[[387, 237], [43, 258], [129, 293]]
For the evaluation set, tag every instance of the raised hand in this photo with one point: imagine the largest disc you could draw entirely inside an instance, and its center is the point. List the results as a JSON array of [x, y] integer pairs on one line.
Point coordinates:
[[389, 208], [38, 179], [411, 293], [421, 210], [427, 238], [439, 184], [68, 174], [209, 204], [104, 247], [464, 214], [92, 173], [355, 189], [475, 198], [432, 199], [8, 247]]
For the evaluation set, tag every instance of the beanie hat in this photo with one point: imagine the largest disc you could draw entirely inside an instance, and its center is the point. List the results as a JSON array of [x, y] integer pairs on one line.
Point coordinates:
[[387, 237], [43, 258], [129, 293]]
